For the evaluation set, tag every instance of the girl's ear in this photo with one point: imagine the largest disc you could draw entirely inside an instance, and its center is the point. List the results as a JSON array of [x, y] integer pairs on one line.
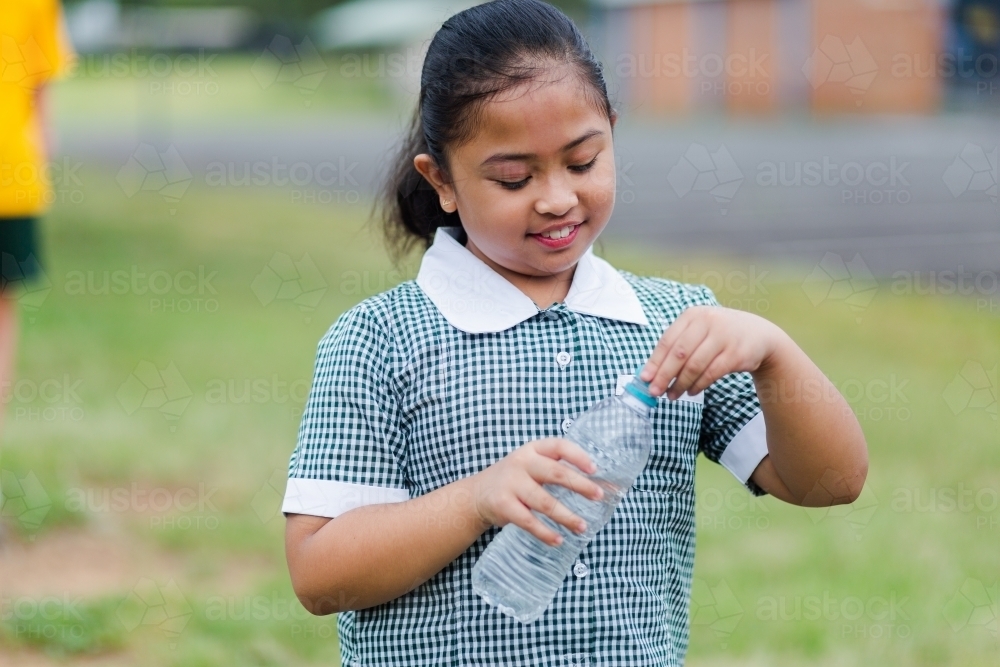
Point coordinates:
[[429, 169], [613, 118]]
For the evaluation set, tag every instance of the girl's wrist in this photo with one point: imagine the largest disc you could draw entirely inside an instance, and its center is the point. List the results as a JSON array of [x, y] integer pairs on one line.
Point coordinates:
[[782, 348], [466, 496]]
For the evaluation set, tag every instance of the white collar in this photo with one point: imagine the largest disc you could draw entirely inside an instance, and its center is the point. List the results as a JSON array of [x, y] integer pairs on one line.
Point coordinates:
[[476, 299]]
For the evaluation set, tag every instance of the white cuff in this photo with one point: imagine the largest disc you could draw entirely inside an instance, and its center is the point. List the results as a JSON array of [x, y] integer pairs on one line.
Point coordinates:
[[746, 450], [323, 497]]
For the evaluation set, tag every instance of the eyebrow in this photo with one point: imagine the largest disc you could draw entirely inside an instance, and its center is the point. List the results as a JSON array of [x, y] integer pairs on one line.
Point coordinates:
[[509, 157]]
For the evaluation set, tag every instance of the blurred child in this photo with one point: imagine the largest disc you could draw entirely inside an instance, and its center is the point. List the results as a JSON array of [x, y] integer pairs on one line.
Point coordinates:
[[34, 49]]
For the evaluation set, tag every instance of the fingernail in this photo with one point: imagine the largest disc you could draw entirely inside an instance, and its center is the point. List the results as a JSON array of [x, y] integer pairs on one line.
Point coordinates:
[[557, 541], [581, 526], [599, 493]]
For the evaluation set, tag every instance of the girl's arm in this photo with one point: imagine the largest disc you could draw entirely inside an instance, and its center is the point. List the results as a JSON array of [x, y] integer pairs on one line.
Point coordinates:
[[376, 553], [817, 455]]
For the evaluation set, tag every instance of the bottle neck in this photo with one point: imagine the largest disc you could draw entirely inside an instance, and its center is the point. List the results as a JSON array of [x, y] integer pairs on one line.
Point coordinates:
[[631, 401]]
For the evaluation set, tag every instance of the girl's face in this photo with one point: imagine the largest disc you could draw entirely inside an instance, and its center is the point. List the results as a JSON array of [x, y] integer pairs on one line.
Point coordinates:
[[535, 186]]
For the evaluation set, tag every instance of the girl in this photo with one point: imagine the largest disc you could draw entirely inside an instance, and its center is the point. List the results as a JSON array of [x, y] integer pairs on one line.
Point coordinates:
[[437, 407]]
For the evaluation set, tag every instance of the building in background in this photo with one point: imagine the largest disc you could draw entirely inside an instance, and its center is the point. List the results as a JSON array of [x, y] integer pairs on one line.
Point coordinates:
[[685, 57], [662, 57]]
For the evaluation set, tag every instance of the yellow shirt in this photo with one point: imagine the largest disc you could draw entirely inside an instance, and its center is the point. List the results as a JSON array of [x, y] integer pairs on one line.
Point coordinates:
[[34, 48]]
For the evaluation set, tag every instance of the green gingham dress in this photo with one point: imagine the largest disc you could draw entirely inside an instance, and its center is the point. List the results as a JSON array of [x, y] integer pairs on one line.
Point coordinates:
[[442, 376]]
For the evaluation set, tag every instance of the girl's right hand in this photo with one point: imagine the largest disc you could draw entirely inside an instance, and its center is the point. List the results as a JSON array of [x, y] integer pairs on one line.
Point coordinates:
[[508, 490]]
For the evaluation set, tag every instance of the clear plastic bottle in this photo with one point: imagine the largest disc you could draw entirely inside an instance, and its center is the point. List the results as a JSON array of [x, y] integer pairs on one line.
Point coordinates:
[[520, 574]]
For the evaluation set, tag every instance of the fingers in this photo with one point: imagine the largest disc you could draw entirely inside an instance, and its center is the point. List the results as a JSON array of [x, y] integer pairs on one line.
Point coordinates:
[[718, 367], [540, 500], [567, 450], [525, 518], [663, 346], [699, 360], [547, 471], [677, 355]]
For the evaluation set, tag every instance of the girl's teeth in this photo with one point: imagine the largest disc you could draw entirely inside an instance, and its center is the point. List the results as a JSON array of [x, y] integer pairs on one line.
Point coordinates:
[[559, 233]]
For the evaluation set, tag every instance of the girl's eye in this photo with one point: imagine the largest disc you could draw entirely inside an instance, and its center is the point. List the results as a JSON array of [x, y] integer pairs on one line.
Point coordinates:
[[514, 185], [580, 168]]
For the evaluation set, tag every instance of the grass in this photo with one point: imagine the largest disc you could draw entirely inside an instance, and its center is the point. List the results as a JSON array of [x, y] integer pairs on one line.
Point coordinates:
[[123, 92], [189, 476]]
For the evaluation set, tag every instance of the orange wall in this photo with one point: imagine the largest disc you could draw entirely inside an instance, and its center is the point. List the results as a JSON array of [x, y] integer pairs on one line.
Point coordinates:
[[751, 32], [867, 56], [897, 40], [661, 34]]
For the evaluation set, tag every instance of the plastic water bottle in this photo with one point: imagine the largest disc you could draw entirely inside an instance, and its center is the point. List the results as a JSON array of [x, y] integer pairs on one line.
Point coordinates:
[[520, 574]]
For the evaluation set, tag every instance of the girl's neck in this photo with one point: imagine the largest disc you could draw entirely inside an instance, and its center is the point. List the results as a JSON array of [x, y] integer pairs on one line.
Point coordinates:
[[542, 290]]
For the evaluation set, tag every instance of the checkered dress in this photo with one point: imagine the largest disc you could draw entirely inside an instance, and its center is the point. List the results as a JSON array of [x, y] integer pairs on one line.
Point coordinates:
[[402, 399]]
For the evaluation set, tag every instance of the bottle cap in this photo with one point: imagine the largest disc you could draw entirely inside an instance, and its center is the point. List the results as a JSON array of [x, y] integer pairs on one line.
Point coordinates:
[[640, 389]]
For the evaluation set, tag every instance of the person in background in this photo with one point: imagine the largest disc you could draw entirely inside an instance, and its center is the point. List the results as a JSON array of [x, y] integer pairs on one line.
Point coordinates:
[[34, 49]]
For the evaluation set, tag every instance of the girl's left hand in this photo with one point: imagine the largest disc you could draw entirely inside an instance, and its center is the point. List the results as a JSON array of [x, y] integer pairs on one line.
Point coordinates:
[[705, 343]]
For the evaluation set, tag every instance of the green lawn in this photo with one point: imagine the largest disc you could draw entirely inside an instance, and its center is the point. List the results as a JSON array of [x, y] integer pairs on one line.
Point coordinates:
[[163, 371]]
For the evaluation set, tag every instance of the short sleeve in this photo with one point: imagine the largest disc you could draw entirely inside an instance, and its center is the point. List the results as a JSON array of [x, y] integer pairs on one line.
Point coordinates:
[[732, 424], [350, 450]]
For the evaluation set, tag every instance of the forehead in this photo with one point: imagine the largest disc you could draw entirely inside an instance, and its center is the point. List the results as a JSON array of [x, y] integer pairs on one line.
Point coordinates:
[[539, 117]]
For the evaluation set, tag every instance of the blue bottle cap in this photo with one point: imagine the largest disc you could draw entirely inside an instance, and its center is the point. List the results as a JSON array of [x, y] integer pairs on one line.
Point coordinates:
[[640, 389]]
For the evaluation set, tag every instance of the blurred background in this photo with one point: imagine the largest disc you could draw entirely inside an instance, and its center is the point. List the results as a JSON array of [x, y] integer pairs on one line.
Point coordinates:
[[830, 165]]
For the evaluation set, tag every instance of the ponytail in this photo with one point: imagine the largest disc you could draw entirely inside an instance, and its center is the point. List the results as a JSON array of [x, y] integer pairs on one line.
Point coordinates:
[[411, 207]]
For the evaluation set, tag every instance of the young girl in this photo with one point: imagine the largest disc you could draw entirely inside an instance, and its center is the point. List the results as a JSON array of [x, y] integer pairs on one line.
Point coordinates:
[[437, 407]]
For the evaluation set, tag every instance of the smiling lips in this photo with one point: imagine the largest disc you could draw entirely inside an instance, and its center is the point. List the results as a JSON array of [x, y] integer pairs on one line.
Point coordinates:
[[558, 238]]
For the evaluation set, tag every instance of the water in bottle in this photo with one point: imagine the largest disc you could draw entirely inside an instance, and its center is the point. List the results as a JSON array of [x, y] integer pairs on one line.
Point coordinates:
[[520, 574]]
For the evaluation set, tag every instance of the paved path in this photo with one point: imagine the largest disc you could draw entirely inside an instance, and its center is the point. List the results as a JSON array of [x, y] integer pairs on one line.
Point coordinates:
[[906, 194]]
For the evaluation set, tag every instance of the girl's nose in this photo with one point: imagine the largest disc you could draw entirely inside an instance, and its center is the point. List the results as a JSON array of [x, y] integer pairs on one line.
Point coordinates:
[[558, 198]]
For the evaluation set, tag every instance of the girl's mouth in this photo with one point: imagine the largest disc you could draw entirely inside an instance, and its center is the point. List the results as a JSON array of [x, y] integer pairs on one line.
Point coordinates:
[[558, 238]]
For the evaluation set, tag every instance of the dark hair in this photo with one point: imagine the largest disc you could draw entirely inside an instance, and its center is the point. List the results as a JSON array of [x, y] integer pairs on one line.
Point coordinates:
[[477, 54]]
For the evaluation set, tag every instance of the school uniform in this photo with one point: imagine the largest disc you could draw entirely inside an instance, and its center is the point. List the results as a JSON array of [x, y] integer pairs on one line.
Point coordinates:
[[442, 376]]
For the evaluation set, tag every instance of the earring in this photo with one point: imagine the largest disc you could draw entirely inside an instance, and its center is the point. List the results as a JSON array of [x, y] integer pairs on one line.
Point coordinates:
[[446, 204]]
